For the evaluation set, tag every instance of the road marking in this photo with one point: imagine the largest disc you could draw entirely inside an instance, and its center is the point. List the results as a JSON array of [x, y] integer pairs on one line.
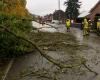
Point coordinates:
[[8, 69]]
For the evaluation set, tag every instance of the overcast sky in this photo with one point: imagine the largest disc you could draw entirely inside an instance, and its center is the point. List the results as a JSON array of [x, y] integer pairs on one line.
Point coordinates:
[[42, 7]]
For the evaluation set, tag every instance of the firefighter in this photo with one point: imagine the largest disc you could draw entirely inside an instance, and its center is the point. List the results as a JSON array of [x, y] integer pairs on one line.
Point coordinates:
[[90, 25], [68, 25], [98, 26], [85, 27]]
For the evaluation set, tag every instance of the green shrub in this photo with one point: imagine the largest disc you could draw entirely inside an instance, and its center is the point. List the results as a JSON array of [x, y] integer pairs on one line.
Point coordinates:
[[10, 45]]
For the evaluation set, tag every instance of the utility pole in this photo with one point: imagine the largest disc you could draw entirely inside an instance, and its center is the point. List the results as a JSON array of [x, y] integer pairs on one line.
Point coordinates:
[[58, 4], [59, 9]]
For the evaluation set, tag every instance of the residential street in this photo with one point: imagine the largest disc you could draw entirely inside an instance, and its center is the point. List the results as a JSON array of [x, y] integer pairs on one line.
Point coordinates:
[[91, 54], [49, 39]]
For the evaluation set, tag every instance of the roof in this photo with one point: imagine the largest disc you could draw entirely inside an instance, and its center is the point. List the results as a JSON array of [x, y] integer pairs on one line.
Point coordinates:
[[83, 14], [98, 3]]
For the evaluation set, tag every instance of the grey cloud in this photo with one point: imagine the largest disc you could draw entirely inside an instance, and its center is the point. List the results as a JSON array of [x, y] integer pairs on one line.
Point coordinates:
[[42, 7]]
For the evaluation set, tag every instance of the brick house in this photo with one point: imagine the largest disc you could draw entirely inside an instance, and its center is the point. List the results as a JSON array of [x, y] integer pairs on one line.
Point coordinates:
[[94, 11]]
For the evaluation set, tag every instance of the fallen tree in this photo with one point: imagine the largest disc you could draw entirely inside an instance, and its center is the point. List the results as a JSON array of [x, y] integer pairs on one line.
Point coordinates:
[[55, 62]]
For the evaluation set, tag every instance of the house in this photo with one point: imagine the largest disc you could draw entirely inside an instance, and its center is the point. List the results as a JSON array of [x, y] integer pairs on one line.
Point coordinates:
[[94, 11], [59, 15], [83, 14], [48, 18]]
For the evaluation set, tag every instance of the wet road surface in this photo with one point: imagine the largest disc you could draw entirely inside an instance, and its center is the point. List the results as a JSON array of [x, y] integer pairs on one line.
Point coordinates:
[[92, 54], [36, 62]]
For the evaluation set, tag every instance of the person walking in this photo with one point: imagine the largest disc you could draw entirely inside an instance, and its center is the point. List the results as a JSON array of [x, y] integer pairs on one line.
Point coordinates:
[[85, 27], [68, 25], [90, 26]]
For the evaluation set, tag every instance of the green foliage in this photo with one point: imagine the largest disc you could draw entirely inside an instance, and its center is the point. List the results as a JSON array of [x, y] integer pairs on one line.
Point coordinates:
[[10, 45], [13, 16], [15, 22], [72, 10], [2, 5], [23, 2]]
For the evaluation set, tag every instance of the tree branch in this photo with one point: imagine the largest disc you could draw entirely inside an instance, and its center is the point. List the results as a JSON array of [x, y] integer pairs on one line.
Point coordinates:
[[89, 69], [49, 58]]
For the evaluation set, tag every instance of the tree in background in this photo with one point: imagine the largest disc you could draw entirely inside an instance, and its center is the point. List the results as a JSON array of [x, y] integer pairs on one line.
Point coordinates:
[[72, 10]]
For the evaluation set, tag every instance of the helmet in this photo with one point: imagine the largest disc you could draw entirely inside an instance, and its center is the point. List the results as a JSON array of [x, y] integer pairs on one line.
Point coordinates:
[[85, 20], [68, 19]]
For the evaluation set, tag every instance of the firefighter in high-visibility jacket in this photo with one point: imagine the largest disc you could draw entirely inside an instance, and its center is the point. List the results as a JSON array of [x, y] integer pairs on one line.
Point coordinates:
[[68, 25], [85, 27], [98, 26]]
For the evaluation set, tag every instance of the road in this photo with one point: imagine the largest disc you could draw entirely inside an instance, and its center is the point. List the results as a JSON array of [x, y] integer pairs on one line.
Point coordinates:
[[92, 54]]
